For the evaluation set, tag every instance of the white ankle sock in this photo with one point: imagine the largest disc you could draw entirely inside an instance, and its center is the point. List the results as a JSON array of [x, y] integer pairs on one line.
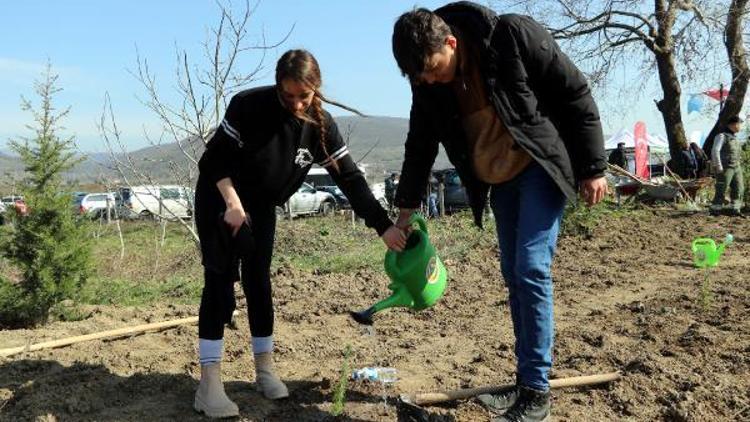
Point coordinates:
[[210, 351], [262, 344]]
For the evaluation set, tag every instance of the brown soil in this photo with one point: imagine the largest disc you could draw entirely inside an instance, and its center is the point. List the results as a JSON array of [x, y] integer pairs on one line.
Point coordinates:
[[628, 299]]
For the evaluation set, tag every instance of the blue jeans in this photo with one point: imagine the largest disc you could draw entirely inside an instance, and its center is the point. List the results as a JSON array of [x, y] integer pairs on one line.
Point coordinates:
[[528, 210]]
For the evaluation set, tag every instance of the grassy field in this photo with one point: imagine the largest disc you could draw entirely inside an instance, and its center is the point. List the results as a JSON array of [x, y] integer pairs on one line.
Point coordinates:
[[161, 263], [153, 269]]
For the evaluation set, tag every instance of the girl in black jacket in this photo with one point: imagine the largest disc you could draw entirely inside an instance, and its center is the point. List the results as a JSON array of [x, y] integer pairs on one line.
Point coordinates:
[[256, 159]]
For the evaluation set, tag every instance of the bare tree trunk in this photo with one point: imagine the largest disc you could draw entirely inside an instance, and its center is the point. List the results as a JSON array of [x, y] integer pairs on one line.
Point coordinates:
[[669, 106], [735, 46], [122, 240]]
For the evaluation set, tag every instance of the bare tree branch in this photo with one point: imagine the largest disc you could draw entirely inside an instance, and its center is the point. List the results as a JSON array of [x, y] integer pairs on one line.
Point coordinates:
[[203, 88]]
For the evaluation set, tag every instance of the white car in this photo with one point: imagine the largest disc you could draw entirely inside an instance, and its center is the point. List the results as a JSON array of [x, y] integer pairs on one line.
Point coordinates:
[[8, 204], [157, 201], [378, 191], [96, 204], [308, 200], [10, 201]]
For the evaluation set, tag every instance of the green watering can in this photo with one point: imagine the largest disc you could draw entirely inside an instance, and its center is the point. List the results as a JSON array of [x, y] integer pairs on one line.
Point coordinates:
[[706, 253], [418, 277]]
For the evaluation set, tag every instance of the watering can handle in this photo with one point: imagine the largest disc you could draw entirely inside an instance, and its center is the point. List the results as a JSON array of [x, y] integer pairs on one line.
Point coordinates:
[[417, 218], [390, 262]]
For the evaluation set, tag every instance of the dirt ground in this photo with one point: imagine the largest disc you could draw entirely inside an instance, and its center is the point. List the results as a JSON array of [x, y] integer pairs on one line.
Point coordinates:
[[627, 299]]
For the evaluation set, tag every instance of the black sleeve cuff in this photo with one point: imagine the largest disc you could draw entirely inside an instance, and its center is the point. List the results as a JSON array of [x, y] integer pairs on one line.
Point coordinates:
[[382, 224]]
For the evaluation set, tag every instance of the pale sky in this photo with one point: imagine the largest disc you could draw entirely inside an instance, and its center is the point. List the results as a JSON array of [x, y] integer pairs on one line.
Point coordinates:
[[92, 45]]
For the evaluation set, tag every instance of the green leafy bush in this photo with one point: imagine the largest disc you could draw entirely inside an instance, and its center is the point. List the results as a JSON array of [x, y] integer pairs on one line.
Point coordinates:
[[49, 247], [581, 220]]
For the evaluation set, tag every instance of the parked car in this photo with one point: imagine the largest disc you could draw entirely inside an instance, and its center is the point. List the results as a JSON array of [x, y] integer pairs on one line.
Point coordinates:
[[155, 201], [10, 200], [95, 205], [14, 203], [308, 200], [378, 191], [342, 202], [77, 196], [455, 193]]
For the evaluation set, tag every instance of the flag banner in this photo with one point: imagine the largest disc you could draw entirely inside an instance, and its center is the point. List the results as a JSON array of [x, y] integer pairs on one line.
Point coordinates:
[[641, 151], [695, 103], [717, 94]]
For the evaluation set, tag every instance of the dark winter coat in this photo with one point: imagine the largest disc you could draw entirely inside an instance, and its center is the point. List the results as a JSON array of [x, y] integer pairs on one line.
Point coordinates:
[[537, 91]]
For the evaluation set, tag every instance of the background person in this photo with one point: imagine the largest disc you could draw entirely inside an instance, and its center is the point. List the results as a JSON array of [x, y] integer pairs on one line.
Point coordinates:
[[726, 159]]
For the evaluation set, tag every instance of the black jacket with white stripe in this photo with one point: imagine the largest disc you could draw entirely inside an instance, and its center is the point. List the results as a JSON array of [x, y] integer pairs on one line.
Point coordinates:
[[267, 152]]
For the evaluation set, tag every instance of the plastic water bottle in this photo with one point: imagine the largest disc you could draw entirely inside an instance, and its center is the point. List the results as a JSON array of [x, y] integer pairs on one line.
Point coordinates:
[[728, 239], [380, 374]]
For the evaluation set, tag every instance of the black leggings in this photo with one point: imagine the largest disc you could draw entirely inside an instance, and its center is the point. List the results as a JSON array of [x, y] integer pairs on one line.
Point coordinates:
[[220, 269]]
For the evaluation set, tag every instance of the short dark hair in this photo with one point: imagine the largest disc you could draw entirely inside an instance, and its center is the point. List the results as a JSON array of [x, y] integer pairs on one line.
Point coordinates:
[[734, 119], [417, 35], [621, 144]]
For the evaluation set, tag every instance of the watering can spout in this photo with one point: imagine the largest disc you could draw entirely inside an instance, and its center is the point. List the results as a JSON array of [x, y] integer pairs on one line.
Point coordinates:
[[418, 277], [727, 241], [400, 297]]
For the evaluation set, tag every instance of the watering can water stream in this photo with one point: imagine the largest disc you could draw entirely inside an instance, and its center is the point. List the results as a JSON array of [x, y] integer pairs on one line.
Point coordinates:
[[706, 253], [418, 277]]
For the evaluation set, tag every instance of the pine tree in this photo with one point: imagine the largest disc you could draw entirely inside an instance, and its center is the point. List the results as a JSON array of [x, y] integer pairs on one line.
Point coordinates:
[[49, 246]]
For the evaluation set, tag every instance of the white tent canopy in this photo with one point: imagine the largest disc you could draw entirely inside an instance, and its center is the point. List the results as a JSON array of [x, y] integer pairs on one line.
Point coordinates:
[[657, 143]]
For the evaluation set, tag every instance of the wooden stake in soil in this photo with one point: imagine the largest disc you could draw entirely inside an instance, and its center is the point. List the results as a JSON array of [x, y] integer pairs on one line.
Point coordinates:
[[120, 332], [440, 397]]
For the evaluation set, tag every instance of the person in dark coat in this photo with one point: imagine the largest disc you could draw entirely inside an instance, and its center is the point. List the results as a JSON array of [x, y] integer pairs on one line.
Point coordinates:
[[689, 167], [518, 122], [617, 157], [257, 158], [391, 183], [701, 160]]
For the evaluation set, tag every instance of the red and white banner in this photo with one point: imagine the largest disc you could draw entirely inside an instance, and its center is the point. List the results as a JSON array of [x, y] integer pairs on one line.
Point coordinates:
[[717, 94], [641, 151]]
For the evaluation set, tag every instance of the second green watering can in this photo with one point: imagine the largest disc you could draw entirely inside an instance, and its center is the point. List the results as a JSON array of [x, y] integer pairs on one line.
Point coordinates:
[[706, 252], [418, 277]]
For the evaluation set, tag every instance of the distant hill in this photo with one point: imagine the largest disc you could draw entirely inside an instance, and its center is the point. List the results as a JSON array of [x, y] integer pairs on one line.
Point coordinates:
[[9, 164], [377, 142]]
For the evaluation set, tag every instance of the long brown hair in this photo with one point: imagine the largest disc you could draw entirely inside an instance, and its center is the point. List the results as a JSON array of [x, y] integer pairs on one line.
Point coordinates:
[[301, 67]]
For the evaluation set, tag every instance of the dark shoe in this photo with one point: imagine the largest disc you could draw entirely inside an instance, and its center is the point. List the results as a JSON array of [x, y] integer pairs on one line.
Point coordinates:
[[530, 406], [734, 212], [499, 403]]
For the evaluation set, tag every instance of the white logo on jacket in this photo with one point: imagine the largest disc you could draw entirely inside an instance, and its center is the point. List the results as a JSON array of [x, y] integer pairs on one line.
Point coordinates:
[[303, 158]]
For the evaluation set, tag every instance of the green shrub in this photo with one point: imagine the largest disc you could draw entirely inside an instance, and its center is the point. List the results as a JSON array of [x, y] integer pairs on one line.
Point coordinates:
[[15, 306], [581, 220], [339, 392], [49, 247]]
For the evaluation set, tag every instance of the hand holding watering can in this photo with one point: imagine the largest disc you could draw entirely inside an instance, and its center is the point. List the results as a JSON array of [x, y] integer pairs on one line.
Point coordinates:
[[418, 277]]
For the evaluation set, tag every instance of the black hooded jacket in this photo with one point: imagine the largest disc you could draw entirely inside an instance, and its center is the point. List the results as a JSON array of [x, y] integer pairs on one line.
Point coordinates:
[[267, 152], [536, 90]]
